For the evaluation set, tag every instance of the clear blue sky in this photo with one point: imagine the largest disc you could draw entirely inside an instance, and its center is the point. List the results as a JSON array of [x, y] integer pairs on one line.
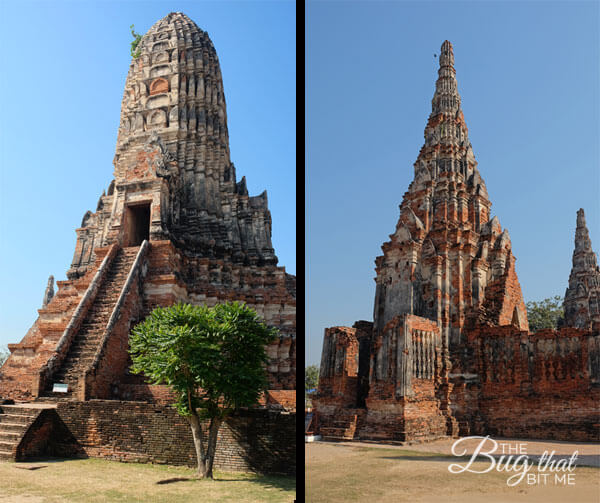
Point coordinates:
[[64, 66], [528, 74]]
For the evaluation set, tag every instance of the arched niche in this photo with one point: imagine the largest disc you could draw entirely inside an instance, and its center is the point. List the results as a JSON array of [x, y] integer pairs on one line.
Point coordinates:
[[159, 86], [157, 118]]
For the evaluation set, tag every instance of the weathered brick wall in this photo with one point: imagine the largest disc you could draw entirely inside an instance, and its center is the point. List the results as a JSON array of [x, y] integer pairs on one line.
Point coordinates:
[[40, 437], [403, 402], [338, 391], [541, 385], [504, 304], [338, 377], [153, 393], [163, 395], [284, 399], [173, 276], [255, 440]]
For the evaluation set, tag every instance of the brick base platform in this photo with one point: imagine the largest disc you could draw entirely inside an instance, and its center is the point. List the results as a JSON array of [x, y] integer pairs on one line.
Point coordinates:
[[258, 440]]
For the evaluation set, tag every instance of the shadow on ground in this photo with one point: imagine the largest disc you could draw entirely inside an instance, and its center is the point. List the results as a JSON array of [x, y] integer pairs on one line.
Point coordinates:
[[175, 479], [284, 483]]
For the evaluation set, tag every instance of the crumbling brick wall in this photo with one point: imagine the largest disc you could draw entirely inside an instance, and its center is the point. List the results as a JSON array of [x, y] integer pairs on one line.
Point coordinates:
[[256, 440], [541, 385], [406, 372]]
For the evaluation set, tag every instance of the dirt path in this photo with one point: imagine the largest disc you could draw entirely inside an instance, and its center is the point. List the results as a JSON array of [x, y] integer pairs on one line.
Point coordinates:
[[361, 472]]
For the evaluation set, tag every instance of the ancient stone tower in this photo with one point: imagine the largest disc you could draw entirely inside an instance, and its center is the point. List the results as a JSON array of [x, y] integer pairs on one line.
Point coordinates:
[[174, 179], [447, 261], [582, 298], [449, 349], [174, 225]]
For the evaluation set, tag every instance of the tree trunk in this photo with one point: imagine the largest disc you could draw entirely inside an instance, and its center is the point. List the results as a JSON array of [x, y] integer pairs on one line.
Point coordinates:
[[213, 432], [198, 444]]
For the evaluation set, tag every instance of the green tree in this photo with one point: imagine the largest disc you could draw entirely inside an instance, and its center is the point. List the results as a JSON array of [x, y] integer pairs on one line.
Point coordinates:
[[545, 314], [311, 378], [135, 52], [213, 358]]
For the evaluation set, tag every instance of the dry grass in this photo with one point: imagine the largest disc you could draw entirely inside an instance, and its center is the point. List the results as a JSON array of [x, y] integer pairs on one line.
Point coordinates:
[[342, 473], [97, 480]]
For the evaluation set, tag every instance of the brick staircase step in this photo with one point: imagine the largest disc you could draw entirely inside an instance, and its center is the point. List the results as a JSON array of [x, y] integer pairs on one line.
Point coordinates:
[[83, 348], [12, 419], [96, 325], [10, 427], [17, 410], [15, 421], [6, 455], [90, 340]]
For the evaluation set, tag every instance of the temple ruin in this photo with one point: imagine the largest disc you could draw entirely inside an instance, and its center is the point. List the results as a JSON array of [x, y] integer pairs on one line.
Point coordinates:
[[449, 351], [582, 298], [175, 224]]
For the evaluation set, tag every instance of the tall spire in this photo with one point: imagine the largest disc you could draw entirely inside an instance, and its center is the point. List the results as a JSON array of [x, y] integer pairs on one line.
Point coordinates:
[[447, 261], [582, 298], [583, 243], [446, 99], [447, 147]]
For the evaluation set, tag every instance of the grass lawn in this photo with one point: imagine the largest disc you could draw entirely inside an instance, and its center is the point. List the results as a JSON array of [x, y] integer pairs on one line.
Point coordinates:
[[344, 473], [98, 480]]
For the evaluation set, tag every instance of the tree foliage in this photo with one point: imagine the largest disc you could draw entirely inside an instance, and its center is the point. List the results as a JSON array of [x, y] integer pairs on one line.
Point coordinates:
[[311, 378], [135, 52], [213, 358], [545, 314]]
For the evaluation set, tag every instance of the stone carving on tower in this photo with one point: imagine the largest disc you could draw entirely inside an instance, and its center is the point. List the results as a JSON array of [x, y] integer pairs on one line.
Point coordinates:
[[447, 260], [173, 154], [582, 298], [175, 225]]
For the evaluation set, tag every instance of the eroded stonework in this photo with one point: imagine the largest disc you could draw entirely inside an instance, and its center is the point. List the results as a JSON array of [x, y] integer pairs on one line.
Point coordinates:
[[175, 225], [582, 298], [173, 154], [449, 351]]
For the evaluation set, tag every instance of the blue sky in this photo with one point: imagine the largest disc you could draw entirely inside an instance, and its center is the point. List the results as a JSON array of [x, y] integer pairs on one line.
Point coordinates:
[[528, 74], [64, 66]]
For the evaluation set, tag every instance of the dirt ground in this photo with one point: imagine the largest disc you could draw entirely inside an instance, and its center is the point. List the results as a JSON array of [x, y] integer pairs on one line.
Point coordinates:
[[360, 472]]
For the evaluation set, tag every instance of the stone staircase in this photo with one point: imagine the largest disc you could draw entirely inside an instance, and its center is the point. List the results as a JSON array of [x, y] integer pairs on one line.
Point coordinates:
[[342, 428], [85, 343], [15, 420]]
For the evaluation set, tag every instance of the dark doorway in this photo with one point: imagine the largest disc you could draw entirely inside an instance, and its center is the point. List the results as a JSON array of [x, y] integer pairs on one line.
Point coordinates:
[[138, 224]]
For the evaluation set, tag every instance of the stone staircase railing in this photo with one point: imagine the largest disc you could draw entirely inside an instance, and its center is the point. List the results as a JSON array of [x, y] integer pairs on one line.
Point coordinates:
[[63, 344], [89, 383]]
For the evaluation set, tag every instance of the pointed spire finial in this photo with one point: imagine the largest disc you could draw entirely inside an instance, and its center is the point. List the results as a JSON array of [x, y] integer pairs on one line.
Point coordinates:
[[581, 218], [582, 235], [446, 99], [447, 147], [446, 54]]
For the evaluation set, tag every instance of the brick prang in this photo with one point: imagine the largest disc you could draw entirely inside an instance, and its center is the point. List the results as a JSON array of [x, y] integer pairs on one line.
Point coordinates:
[[449, 351]]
